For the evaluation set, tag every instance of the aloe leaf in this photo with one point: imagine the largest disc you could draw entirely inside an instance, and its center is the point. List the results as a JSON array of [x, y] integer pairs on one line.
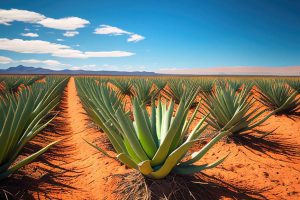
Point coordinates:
[[198, 155], [145, 167], [143, 132], [172, 160], [127, 160], [190, 169], [26, 161]]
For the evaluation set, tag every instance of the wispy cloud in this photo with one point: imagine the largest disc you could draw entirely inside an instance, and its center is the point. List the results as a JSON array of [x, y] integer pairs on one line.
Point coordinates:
[[5, 60], [70, 33], [107, 54], [135, 38], [58, 50], [60, 40], [111, 30], [30, 34], [41, 63], [107, 67], [67, 23], [45, 62]]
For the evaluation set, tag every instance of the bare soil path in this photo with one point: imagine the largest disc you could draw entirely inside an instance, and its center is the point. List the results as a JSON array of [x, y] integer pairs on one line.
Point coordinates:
[[73, 169]]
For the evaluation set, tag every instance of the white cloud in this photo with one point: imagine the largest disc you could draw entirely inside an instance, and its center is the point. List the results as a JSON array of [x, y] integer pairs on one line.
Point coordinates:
[[8, 16], [52, 63], [85, 67], [135, 38], [104, 54], [58, 50], [67, 23], [46, 62], [5, 60], [71, 33], [26, 29], [60, 40], [107, 67], [111, 30], [30, 34], [92, 65], [75, 68]]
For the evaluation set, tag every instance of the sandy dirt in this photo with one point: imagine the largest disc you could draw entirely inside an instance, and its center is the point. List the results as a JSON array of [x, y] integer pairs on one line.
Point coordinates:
[[267, 168], [72, 169], [83, 162]]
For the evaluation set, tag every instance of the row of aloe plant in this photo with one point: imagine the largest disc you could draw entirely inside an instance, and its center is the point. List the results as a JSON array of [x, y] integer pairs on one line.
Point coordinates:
[[280, 94], [12, 83], [141, 143], [230, 109], [154, 143], [22, 116]]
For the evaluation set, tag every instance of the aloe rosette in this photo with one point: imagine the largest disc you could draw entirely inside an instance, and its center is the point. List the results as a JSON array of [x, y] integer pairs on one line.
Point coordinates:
[[278, 96], [232, 110], [22, 116], [155, 143]]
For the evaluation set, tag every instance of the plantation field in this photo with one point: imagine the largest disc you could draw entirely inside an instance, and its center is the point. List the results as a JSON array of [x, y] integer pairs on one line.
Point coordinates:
[[149, 137]]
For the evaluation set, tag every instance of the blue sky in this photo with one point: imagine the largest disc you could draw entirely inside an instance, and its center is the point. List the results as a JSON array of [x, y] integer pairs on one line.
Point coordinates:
[[149, 35]]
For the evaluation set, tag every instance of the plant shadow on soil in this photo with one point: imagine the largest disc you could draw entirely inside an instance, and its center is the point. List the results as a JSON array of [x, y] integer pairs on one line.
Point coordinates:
[[42, 181], [45, 175], [134, 186], [266, 145]]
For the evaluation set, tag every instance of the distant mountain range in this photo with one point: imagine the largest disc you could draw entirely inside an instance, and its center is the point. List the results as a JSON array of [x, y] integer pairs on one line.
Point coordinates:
[[37, 71], [217, 71]]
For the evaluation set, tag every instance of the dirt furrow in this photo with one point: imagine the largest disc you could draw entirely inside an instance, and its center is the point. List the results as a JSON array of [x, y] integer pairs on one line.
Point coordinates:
[[78, 171]]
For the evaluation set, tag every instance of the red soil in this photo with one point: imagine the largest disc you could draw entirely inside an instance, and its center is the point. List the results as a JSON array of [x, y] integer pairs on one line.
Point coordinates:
[[263, 168], [73, 169], [269, 167], [84, 162]]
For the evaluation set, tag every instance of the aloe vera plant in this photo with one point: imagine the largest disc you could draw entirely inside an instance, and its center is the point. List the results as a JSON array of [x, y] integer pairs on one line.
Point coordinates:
[[2, 86], [11, 84], [175, 89], [123, 85], [233, 111], [144, 91], [153, 143], [294, 83], [206, 85], [278, 96], [235, 84], [22, 117], [160, 84]]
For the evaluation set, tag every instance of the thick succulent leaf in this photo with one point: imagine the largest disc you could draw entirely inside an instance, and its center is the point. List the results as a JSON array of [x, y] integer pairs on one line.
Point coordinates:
[[164, 148], [143, 132], [98, 148], [26, 161], [145, 167], [172, 160], [131, 136], [198, 155], [127, 161], [190, 169]]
